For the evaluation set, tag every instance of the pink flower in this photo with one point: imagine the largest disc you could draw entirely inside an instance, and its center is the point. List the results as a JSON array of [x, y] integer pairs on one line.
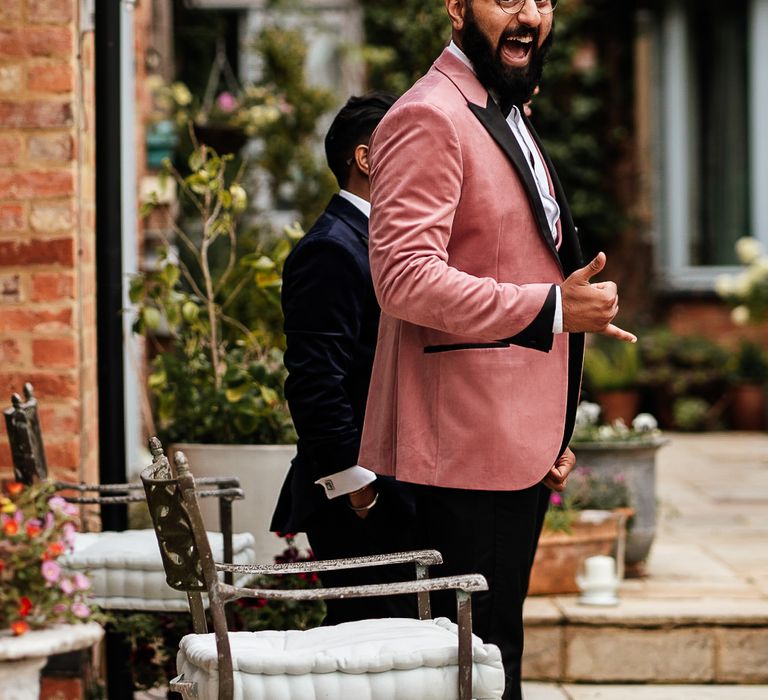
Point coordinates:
[[67, 587], [59, 608], [56, 503], [51, 571], [226, 102], [556, 499], [81, 582], [68, 532], [80, 609]]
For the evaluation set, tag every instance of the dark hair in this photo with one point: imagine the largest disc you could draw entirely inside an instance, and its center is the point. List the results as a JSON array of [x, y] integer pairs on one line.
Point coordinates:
[[353, 126]]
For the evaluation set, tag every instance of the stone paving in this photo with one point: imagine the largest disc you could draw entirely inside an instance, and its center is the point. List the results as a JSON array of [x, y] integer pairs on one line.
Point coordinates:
[[701, 614]]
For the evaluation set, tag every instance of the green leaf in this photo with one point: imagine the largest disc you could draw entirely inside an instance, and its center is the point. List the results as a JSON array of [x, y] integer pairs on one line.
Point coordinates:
[[196, 160], [270, 396], [157, 379], [235, 393], [151, 317]]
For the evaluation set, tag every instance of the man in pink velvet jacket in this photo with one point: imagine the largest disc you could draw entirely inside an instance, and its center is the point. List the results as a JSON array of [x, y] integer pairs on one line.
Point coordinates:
[[477, 267]]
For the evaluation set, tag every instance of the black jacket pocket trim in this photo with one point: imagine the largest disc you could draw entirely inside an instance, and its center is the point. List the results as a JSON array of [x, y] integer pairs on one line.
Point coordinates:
[[463, 346]]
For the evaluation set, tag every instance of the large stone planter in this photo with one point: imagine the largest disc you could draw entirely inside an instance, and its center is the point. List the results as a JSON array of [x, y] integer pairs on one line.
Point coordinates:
[[261, 470], [21, 658], [636, 461]]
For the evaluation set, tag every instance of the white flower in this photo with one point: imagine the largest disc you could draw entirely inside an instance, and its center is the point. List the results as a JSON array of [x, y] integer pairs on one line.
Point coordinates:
[[587, 414], [605, 432], [724, 285], [620, 427], [181, 94], [740, 315], [644, 423], [748, 249]]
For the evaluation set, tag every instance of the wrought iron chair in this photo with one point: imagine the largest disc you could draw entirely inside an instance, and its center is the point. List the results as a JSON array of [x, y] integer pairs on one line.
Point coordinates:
[[403, 659], [125, 568]]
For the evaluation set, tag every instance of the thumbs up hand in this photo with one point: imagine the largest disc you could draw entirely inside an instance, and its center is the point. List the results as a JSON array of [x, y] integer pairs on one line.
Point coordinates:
[[591, 307]]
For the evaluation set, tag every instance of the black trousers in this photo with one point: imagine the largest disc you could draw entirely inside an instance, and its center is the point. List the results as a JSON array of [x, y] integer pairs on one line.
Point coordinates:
[[335, 532], [493, 533]]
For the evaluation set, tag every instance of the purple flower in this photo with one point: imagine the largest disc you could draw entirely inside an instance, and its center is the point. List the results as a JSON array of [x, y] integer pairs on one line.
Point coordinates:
[[68, 532], [81, 582], [51, 571], [67, 587], [80, 609], [56, 503], [59, 608], [556, 499], [226, 102]]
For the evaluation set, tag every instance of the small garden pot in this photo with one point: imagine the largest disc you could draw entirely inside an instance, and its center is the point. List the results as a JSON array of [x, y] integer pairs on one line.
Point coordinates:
[[560, 555], [620, 404], [747, 406]]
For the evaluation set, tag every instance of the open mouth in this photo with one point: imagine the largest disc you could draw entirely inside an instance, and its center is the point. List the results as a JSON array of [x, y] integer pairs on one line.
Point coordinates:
[[517, 49]]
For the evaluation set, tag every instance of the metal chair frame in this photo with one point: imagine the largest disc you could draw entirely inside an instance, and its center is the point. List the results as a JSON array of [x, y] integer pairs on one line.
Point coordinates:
[[190, 567]]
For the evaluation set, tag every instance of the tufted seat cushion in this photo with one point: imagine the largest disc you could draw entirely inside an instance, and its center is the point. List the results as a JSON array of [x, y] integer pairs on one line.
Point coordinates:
[[392, 659], [126, 570]]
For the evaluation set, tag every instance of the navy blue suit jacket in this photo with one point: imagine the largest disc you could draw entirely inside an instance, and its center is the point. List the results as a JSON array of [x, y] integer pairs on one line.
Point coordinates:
[[331, 323]]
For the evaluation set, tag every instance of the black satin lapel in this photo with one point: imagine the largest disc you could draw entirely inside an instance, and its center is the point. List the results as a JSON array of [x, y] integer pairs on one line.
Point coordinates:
[[571, 255], [493, 120]]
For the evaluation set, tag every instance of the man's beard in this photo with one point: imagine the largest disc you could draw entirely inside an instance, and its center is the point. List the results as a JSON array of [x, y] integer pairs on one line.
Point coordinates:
[[511, 85]]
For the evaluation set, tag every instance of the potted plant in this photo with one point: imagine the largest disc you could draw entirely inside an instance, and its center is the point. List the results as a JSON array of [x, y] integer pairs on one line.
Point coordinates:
[[588, 519], [612, 372], [39, 601], [610, 450], [216, 384], [747, 292], [749, 374]]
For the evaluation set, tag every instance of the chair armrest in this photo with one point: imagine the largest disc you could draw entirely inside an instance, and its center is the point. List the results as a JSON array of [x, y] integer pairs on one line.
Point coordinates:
[[228, 487], [222, 482], [423, 557], [232, 494], [468, 583]]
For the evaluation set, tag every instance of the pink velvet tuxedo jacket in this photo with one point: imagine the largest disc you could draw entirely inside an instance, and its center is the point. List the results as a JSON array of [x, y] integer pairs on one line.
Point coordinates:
[[470, 387]]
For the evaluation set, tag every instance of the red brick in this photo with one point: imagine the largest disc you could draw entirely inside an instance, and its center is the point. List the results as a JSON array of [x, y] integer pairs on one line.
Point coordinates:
[[38, 252], [10, 11], [39, 114], [48, 41], [52, 78], [12, 43], [10, 352], [52, 286], [59, 419], [50, 11], [41, 320], [5, 459], [50, 147], [36, 184], [54, 352], [63, 455], [10, 289], [10, 148], [11, 218], [47, 385]]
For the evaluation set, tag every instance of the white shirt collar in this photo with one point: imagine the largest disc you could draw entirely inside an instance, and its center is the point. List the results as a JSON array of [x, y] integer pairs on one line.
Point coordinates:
[[363, 205], [456, 51]]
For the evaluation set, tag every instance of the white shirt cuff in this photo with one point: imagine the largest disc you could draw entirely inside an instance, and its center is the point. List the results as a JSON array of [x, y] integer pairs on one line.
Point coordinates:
[[557, 324], [346, 481]]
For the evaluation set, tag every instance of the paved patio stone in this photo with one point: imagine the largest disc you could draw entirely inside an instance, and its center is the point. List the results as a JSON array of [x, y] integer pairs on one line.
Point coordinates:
[[543, 691], [665, 692]]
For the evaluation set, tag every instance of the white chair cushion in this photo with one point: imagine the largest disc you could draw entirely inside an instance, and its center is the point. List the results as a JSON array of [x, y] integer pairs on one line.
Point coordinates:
[[387, 659], [126, 570]]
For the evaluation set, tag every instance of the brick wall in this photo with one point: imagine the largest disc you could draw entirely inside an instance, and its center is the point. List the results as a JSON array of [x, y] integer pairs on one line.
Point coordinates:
[[47, 227]]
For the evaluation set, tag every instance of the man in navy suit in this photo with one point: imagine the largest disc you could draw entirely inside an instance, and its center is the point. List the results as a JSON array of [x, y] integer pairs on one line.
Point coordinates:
[[331, 324]]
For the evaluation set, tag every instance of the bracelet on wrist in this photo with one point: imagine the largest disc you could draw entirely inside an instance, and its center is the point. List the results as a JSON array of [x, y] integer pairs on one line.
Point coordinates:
[[360, 509]]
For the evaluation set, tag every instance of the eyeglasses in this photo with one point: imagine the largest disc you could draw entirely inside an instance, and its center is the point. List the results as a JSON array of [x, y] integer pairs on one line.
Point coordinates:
[[513, 7]]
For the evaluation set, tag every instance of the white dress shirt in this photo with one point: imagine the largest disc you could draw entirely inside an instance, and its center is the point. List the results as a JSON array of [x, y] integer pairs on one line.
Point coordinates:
[[539, 172], [353, 478]]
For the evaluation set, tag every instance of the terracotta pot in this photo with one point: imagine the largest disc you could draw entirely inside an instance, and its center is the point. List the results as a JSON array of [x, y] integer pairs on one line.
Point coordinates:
[[747, 407], [621, 403], [560, 555]]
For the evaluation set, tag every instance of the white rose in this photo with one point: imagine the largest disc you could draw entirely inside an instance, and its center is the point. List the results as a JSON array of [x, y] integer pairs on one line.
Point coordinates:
[[644, 423], [748, 249], [587, 414], [740, 315], [724, 285]]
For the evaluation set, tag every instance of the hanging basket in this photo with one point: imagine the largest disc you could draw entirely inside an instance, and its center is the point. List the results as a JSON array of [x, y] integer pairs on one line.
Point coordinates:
[[222, 139]]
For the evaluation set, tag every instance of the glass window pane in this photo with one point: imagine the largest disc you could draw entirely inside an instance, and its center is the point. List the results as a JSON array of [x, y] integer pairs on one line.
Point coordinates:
[[720, 171]]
